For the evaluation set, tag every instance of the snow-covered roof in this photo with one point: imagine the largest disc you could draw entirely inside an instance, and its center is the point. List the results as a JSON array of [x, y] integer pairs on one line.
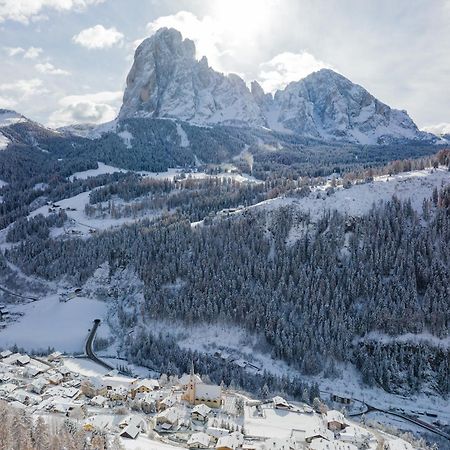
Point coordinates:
[[56, 378], [233, 440], [199, 438], [185, 379], [335, 416], [100, 422], [202, 409], [98, 400], [94, 382], [321, 431], [131, 431], [280, 401], [68, 392], [323, 444], [148, 383], [208, 391], [217, 432], [39, 383], [23, 359], [170, 400], [5, 354], [170, 414], [354, 433]]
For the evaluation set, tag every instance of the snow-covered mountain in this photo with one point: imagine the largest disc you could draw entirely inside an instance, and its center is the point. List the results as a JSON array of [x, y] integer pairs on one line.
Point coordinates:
[[327, 106], [16, 128], [166, 81]]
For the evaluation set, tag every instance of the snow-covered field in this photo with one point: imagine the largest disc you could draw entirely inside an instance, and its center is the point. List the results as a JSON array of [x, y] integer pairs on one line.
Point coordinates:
[[85, 367], [277, 423], [358, 200], [102, 169], [78, 220], [51, 323], [169, 174], [145, 443]]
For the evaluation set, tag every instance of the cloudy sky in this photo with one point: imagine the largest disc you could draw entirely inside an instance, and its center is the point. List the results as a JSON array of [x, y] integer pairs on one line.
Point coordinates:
[[65, 61]]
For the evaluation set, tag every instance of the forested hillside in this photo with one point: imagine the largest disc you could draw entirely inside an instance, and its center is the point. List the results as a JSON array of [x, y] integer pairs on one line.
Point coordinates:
[[315, 300]]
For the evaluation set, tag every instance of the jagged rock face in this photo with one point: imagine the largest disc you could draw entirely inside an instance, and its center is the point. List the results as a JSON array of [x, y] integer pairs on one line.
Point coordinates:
[[166, 81], [329, 106]]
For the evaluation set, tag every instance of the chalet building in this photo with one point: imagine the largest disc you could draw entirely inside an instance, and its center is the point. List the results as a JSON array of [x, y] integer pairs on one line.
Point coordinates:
[[56, 378], [170, 417], [143, 387], [54, 357], [280, 403], [335, 420], [200, 413], [167, 402], [196, 392], [338, 398], [230, 442], [38, 385], [318, 433], [91, 387], [199, 440], [117, 393], [130, 432], [5, 354]]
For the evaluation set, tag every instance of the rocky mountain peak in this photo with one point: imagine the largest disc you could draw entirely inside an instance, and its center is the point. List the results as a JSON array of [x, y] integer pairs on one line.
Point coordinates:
[[167, 81]]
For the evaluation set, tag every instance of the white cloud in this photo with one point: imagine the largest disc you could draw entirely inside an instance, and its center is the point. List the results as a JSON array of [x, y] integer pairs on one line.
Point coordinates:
[[50, 69], [98, 37], [7, 103], [286, 67], [32, 53], [439, 129], [23, 88], [11, 94], [99, 107], [14, 51], [25, 11]]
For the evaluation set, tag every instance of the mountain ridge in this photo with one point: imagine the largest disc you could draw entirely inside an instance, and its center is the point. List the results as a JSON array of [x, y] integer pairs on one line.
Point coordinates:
[[167, 81]]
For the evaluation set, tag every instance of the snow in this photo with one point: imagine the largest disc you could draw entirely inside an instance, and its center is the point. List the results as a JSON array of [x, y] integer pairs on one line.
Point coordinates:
[[236, 342], [102, 169], [51, 323], [359, 199], [126, 137], [78, 220], [85, 367], [277, 423], [169, 174], [8, 118], [184, 140], [425, 338], [4, 141], [145, 443]]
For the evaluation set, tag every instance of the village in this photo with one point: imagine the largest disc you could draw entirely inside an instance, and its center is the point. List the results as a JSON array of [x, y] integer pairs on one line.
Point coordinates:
[[185, 412]]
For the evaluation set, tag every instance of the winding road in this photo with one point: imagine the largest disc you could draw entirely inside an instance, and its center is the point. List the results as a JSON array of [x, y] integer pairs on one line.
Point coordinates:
[[420, 423], [7, 291], [88, 347]]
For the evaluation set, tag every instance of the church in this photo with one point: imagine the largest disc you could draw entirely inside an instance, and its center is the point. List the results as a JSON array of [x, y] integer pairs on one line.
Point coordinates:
[[196, 392]]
